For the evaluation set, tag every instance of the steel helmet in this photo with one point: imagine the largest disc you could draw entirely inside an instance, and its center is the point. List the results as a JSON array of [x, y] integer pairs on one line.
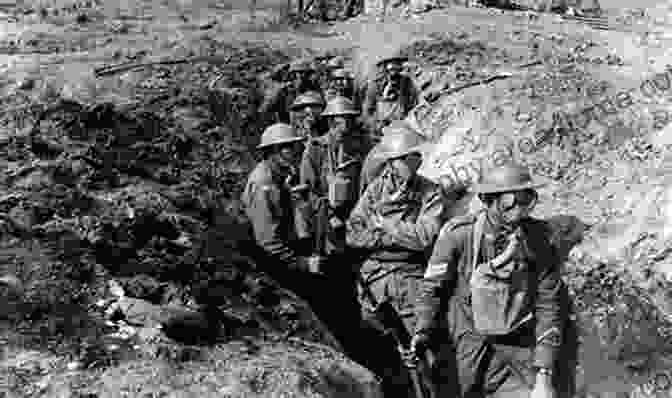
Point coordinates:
[[279, 133], [300, 66], [339, 106], [306, 99], [340, 74], [506, 178], [394, 146], [336, 63], [396, 58]]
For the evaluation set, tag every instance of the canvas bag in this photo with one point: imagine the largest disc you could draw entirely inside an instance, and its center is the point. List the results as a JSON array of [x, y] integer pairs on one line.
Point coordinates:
[[500, 298]]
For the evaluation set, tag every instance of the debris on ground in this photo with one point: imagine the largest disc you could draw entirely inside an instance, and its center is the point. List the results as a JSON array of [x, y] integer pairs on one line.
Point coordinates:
[[119, 206]]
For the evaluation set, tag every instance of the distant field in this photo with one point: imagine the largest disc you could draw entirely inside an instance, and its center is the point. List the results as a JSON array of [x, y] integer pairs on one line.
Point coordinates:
[[619, 4]]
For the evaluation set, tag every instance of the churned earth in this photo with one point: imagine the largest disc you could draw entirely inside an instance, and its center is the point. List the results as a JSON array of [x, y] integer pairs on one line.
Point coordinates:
[[119, 188]]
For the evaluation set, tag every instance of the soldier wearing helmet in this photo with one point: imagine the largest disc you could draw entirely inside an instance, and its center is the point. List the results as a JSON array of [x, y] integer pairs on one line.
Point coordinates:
[[269, 199], [305, 114], [300, 77], [330, 167], [373, 163], [390, 96], [498, 277], [394, 223], [340, 84]]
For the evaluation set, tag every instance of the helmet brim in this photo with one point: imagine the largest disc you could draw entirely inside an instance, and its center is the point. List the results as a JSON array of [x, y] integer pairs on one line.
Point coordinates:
[[344, 113], [489, 188], [391, 59], [288, 141], [303, 105]]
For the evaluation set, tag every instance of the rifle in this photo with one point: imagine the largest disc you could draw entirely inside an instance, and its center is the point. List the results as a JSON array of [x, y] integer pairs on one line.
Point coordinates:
[[387, 320], [503, 74]]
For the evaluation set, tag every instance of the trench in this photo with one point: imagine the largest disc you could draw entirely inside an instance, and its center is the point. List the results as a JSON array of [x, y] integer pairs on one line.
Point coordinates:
[[176, 150]]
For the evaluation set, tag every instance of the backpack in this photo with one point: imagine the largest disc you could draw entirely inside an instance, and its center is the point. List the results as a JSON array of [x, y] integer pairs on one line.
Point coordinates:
[[500, 298]]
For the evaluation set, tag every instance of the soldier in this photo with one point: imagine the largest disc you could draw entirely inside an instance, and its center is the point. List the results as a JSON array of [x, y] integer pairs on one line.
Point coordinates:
[[394, 223], [277, 105], [497, 275], [373, 164], [331, 167], [306, 110], [269, 205], [340, 85], [390, 96]]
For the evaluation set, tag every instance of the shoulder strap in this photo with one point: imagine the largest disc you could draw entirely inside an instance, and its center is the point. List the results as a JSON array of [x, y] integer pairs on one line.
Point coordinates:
[[477, 237]]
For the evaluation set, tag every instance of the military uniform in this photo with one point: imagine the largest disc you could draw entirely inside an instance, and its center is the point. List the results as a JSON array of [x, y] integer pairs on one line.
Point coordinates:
[[384, 102], [346, 90], [274, 205], [269, 208], [501, 365], [311, 99], [323, 159], [322, 156], [395, 260]]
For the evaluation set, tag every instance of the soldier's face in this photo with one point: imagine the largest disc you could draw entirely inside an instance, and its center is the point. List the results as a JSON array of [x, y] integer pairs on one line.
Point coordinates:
[[288, 154], [515, 206], [339, 83], [311, 113]]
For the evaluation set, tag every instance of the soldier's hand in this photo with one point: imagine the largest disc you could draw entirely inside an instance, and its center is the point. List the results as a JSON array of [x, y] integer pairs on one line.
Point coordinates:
[[509, 252]]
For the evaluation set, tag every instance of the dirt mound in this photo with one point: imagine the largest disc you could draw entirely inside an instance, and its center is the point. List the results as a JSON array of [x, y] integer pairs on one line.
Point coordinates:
[[135, 178], [601, 143], [241, 369]]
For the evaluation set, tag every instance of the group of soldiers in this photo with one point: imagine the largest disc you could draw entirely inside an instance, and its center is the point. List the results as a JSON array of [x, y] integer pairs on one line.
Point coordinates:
[[353, 230]]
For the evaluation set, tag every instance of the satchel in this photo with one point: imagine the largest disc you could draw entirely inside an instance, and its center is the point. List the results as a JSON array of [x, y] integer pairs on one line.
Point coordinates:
[[500, 298]]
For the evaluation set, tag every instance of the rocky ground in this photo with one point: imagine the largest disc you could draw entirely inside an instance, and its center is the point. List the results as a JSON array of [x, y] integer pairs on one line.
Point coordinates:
[[119, 192]]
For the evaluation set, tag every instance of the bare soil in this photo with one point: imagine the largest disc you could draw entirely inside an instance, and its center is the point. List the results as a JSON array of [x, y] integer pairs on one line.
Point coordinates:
[[133, 176]]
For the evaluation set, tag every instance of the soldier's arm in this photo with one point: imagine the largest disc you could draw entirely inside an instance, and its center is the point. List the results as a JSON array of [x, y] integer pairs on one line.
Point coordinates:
[[309, 171], [267, 230], [440, 273], [548, 312], [418, 235], [369, 103], [360, 232]]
